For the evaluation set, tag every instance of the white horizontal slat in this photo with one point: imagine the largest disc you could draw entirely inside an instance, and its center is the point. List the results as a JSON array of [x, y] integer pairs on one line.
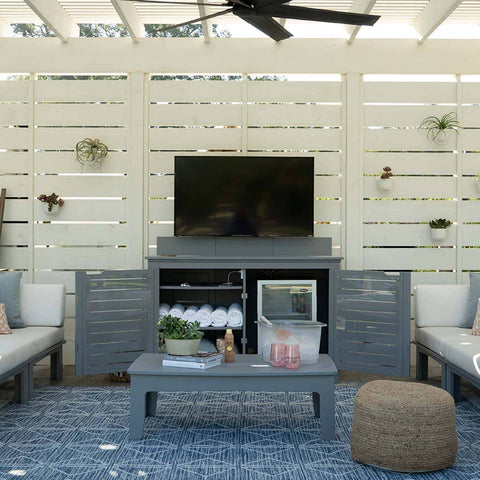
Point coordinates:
[[471, 258], [13, 91], [327, 210], [330, 162], [295, 115], [70, 307], [195, 138], [14, 113], [470, 139], [80, 258], [65, 162], [408, 210], [327, 187], [405, 140], [411, 163], [13, 257], [14, 162], [195, 114], [471, 211], [56, 277], [294, 139], [409, 258], [15, 209], [471, 164], [67, 138], [195, 91], [86, 211], [470, 188], [410, 92], [67, 234], [469, 115], [433, 278], [471, 234], [161, 210], [161, 186], [80, 114], [159, 230], [14, 138], [161, 162], [331, 231], [81, 186], [80, 90], [403, 235], [296, 92], [470, 92], [413, 187], [14, 234], [16, 185], [402, 115]]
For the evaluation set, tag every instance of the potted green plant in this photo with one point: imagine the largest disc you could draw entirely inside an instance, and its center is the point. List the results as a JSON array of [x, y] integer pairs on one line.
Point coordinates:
[[385, 180], [181, 337], [437, 127], [51, 202], [439, 228]]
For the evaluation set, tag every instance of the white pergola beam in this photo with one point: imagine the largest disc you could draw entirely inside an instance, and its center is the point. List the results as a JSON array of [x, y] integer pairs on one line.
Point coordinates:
[[130, 18], [358, 6], [432, 16], [55, 18], [206, 24], [5, 29]]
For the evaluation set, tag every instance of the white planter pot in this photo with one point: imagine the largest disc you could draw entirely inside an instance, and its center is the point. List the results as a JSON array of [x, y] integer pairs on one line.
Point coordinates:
[[441, 138], [477, 183], [55, 209], [385, 184], [182, 347], [438, 234]]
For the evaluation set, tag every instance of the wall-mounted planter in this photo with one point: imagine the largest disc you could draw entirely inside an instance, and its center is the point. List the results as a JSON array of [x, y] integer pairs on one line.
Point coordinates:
[[51, 203], [438, 234], [53, 211], [385, 184]]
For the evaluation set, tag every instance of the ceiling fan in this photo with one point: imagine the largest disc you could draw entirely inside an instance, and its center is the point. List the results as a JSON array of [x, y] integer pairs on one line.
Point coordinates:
[[261, 14]]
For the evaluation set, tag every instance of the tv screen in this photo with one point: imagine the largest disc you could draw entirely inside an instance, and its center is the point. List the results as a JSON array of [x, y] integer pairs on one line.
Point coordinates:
[[256, 196]]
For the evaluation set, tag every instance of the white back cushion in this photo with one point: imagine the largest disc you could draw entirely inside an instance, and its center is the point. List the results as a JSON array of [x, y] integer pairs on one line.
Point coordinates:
[[440, 305], [42, 305]]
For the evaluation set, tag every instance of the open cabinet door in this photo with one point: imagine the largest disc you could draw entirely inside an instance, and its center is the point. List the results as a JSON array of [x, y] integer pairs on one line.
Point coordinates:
[[371, 331], [116, 316]]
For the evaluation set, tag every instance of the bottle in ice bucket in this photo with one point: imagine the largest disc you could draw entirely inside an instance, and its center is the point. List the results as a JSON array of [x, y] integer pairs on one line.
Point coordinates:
[[229, 355]]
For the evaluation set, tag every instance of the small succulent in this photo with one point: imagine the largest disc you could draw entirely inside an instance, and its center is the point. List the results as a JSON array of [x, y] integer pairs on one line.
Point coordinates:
[[440, 223], [435, 125], [386, 173], [51, 200], [91, 152], [177, 329]]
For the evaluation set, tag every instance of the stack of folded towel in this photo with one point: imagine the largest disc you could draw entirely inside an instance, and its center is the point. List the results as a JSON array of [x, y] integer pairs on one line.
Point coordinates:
[[206, 315]]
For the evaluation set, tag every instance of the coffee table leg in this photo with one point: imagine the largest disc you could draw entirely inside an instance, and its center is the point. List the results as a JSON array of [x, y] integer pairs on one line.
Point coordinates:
[[151, 403], [138, 407], [327, 409], [316, 404]]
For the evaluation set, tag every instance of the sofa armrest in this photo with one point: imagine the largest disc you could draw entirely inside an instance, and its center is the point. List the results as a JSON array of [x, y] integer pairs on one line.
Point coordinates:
[[42, 305], [440, 305]]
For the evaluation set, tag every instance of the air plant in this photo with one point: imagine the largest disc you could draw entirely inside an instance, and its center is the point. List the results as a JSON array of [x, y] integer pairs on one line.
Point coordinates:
[[386, 173], [51, 200], [440, 223], [436, 126], [91, 152]]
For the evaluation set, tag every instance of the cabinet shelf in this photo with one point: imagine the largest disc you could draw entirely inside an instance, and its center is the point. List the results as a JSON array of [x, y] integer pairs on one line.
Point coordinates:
[[201, 287]]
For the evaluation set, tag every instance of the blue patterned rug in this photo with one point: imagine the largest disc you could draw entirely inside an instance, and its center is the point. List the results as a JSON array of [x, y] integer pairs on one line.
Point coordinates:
[[82, 434]]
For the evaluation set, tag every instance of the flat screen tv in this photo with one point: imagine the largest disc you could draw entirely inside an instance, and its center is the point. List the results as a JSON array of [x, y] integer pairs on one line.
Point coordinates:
[[255, 196]]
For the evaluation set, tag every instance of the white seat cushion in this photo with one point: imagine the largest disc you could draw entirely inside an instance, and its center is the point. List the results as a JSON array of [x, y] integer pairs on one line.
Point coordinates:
[[42, 305], [435, 338], [24, 343]]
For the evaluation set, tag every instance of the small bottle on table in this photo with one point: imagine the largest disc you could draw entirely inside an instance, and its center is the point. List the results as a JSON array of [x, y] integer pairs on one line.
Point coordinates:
[[229, 346]]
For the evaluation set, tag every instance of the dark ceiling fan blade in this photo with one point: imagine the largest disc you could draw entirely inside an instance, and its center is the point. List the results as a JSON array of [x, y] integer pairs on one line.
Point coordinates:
[[174, 2], [265, 24], [316, 15], [196, 20]]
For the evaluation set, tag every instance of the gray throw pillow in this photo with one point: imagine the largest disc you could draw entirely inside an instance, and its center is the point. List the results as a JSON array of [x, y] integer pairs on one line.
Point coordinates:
[[473, 296], [10, 297]]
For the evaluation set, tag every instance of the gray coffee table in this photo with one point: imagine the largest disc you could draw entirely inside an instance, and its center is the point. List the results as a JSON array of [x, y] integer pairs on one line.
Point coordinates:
[[247, 373]]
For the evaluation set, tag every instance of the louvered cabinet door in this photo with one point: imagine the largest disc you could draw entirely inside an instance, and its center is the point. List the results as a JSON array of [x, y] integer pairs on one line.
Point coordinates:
[[116, 316], [371, 331]]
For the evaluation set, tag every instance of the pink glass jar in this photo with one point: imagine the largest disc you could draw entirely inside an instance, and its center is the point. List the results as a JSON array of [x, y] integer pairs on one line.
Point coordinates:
[[277, 354], [292, 356]]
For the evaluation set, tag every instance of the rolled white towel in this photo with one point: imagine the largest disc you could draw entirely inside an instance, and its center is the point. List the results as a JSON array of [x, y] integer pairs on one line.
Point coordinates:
[[220, 317], [189, 314], [204, 315], [177, 311], [163, 310], [235, 306], [234, 317]]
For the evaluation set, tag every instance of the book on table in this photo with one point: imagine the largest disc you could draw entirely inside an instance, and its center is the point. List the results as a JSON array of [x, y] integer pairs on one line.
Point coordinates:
[[201, 360], [196, 365]]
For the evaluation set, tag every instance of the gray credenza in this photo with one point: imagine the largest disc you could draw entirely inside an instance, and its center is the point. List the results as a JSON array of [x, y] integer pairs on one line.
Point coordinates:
[[367, 312]]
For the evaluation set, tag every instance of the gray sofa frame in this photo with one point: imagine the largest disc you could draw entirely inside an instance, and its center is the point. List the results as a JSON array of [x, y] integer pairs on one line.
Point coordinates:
[[451, 373], [23, 373]]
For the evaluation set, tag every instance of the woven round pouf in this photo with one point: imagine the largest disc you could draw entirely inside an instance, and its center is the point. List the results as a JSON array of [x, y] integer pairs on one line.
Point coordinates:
[[403, 426]]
